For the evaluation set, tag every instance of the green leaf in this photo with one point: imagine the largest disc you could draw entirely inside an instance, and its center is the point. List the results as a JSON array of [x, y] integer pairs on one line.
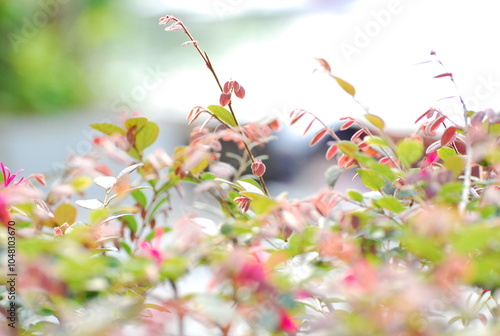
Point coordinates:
[[422, 247], [409, 151], [474, 238], [97, 216], [384, 171], [146, 136], [371, 179], [81, 183], [345, 85], [134, 153], [260, 204], [157, 307], [451, 192], [348, 148], [140, 198], [365, 160], [224, 115], [250, 185], [445, 152], [126, 247], [455, 164], [137, 122], [174, 268], [131, 223], [168, 184], [108, 129], [65, 213], [376, 141], [375, 120], [157, 207], [207, 177], [355, 196], [389, 203]]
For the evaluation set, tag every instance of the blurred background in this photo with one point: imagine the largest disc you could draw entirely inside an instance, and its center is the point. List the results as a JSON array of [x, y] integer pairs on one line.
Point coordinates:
[[65, 64]]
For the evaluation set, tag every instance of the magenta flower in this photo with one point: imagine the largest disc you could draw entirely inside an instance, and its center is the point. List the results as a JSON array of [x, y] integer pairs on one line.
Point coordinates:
[[153, 250], [4, 211], [8, 178], [243, 203], [287, 324]]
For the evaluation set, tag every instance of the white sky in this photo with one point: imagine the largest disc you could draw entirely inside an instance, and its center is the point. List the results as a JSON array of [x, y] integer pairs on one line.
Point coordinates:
[[373, 44]]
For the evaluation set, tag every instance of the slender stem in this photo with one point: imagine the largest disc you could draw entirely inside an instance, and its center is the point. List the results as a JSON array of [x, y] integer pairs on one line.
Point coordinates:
[[209, 65], [181, 313], [468, 151]]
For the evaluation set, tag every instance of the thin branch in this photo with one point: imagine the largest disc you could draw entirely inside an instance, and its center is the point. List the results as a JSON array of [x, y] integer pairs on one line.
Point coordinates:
[[209, 65]]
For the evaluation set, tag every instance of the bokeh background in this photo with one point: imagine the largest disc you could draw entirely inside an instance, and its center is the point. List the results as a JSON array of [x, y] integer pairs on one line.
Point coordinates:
[[65, 64]]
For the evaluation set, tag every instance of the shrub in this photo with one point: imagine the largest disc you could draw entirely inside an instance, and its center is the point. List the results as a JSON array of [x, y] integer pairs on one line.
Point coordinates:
[[416, 254]]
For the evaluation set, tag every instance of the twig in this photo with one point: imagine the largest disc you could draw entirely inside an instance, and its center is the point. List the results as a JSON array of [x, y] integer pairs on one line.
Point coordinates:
[[208, 63]]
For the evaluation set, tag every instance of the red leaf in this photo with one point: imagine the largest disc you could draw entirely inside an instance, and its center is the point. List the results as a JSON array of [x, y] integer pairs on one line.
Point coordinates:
[[433, 125], [240, 93], [448, 136], [236, 86], [324, 64], [387, 161], [309, 126], [330, 153], [225, 98], [228, 86], [433, 147], [357, 134], [427, 114], [345, 161], [347, 124], [297, 117], [318, 136], [447, 74], [275, 125]]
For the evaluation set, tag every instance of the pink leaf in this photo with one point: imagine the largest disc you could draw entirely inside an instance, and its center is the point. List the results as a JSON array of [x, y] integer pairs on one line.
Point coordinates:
[[357, 134], [433, 147], [386, 161], [324, 64], [189, 42], [347, 124], [174, 26], [330, 153], [225, 98], [228, 86], [427, 114], [318, 136], [447, 74], [448, 136], [274, 125], [433, 125], [240, 93], [236, 86], [297, 117], [309, 126], [477, 118]]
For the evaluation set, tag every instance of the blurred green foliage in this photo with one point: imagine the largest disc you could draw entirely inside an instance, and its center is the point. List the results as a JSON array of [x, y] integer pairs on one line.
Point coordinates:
[[47, 50]]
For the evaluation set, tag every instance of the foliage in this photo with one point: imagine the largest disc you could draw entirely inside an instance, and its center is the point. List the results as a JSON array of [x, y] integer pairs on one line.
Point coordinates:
[[47, 52], [413, 251]]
